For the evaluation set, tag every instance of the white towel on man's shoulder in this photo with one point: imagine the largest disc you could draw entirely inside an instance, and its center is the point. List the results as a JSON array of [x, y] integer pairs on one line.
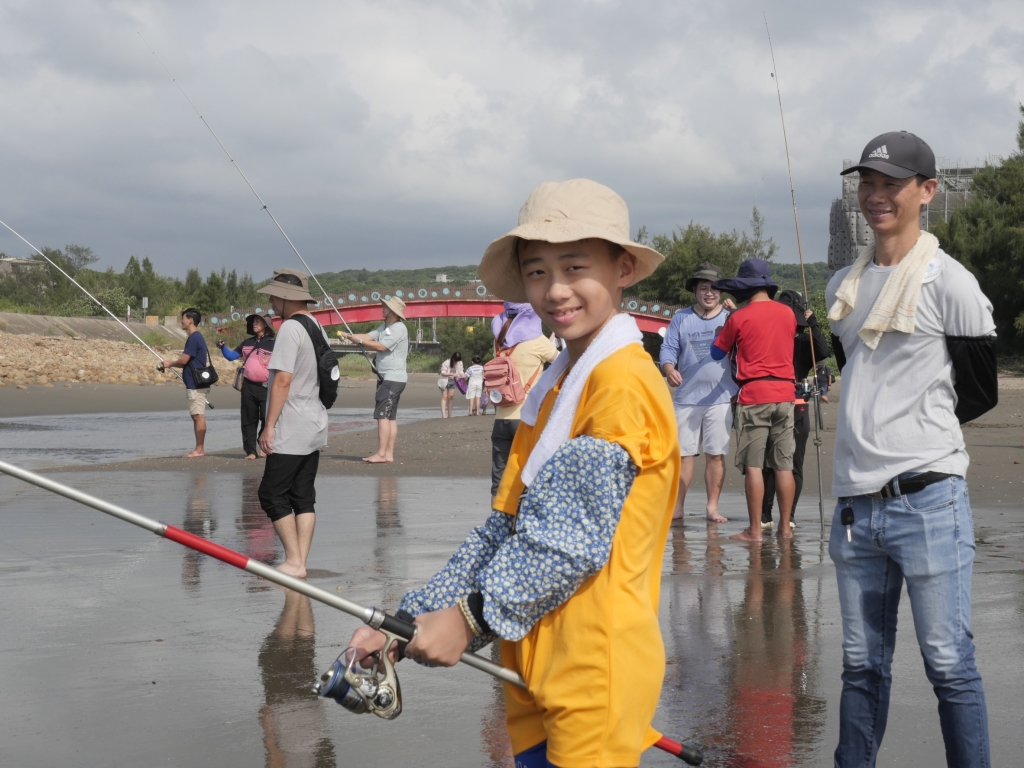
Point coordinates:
[[619, 332], [896, 305]]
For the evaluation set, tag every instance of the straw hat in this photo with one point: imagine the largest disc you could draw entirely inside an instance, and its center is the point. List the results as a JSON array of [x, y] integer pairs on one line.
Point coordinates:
[[396, 305], [563, 212], [288, 284]]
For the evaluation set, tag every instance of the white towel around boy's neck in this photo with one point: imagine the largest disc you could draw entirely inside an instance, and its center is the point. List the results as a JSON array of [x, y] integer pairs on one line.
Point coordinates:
[[895, 309], [619, 332]]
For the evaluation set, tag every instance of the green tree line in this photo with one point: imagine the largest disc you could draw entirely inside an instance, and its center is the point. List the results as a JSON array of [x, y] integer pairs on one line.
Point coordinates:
[[987, 236], [39, 288]]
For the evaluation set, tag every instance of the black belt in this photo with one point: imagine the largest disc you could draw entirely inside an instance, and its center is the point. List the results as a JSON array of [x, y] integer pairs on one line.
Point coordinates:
[[908, 486]]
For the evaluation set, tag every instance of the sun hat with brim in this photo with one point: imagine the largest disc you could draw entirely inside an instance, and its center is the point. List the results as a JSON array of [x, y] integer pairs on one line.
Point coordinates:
[[396, 305], [705, 271], [753, 275], [288, 284], [249, 319], [562, 212], [794, 301]]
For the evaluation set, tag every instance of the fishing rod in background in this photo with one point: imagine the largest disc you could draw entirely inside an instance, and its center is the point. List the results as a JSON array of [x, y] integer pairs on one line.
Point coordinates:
[[815, 392], [99, 303], [364, 692], [263, 205]]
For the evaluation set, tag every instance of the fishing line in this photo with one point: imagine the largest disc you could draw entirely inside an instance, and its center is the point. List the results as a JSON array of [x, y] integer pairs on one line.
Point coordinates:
[[263, 205], [815, 394], [98, 302]]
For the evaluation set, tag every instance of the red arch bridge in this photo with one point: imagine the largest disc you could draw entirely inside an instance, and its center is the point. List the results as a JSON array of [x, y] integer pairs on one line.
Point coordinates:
[[442, 300]]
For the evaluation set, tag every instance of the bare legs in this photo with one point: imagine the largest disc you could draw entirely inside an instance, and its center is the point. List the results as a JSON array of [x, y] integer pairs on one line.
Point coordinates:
[[685, 478], [296, 534], [714, 478], [387, 432], [447, 398], [753, 485], [199, 427]]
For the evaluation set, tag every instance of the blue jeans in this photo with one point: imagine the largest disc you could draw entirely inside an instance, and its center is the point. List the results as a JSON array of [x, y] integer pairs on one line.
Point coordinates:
[[926, 539], [534, 757]]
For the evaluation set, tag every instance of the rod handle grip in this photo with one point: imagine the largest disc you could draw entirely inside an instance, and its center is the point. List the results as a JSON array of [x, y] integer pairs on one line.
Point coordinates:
[[396, 626]]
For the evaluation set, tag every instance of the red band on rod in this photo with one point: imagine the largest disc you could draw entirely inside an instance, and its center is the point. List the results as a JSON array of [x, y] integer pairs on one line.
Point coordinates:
[[671, 746], [206, 546]]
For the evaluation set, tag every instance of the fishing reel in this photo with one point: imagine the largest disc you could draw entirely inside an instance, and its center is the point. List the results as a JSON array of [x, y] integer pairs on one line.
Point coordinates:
[[376, 690], [805, 389]]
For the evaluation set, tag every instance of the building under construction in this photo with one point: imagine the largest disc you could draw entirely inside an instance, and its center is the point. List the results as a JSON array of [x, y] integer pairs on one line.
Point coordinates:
[[849, 231]]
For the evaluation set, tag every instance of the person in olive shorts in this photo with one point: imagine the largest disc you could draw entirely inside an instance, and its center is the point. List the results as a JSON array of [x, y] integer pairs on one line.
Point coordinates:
[[391, 343], [761, 336]]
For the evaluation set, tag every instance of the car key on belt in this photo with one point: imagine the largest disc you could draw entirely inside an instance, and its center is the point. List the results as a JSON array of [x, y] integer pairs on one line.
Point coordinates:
[[846, 518]]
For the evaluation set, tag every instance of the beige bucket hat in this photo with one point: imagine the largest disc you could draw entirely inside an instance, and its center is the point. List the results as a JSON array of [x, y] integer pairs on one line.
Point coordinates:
[[396, 305], [562, 212], [288, 284]]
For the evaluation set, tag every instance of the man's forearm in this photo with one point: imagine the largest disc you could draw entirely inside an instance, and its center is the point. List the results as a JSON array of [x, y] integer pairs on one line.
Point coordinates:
[[363, 340]]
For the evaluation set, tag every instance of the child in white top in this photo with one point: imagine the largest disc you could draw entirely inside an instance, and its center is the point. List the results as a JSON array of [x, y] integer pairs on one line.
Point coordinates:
[[475, 388]]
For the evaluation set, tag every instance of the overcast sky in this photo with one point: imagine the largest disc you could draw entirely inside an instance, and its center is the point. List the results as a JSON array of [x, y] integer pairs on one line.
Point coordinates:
[[400, 134]]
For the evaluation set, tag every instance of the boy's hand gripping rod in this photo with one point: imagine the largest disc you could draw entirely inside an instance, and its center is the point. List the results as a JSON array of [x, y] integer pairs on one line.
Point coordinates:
[[376, 691]]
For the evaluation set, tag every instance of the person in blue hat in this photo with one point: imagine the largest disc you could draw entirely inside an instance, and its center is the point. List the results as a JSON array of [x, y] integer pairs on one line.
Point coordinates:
[[759, 336]]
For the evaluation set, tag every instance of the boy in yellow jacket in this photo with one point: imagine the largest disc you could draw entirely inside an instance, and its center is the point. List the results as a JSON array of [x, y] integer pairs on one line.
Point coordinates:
[[566, 571]]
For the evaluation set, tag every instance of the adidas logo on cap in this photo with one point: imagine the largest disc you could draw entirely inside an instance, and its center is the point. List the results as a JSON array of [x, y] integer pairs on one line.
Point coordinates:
[[881, 153]]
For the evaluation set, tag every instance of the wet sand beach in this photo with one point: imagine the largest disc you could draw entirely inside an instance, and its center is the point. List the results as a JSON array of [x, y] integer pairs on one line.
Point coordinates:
[[121, 649]]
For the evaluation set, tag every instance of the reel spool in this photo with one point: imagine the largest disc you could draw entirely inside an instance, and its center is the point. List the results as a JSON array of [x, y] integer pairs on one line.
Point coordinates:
[[376, 691]]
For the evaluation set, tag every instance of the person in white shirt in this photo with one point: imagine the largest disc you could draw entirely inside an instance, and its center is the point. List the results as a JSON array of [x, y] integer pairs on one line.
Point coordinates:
[[475, 386], [915, 341]]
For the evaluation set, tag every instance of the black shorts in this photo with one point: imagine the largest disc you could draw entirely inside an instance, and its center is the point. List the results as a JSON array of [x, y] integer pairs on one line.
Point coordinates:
[[502, 434], [288, 484], [388, 394]]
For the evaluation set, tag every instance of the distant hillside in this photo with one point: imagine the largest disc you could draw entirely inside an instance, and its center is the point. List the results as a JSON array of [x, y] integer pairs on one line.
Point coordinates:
[[356, 279], [788, 276]]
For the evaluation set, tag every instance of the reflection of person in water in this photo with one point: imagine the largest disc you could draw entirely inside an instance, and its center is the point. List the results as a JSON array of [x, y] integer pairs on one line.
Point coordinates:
[[198, 521], [293, 720], [260, 539], [773, 715]]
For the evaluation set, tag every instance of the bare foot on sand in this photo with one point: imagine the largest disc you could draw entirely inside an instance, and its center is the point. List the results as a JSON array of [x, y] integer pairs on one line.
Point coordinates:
[[714, 517], [746, 535], [196, 454], [298, 571], [376, 459], [251, 457]]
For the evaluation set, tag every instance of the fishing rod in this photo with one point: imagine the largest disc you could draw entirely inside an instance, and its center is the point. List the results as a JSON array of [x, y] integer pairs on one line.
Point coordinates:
[[327, 298], [377, 691], [815, 394], [99, 303]]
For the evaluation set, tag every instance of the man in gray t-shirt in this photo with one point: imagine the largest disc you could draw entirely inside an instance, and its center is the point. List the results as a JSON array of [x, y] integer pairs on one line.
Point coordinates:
[[914, 338], [296, 421], [391, 343]]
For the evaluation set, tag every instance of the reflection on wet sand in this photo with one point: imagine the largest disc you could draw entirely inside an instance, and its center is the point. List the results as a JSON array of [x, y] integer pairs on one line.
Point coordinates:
[[295, 727], [197, 520], [740, 654]]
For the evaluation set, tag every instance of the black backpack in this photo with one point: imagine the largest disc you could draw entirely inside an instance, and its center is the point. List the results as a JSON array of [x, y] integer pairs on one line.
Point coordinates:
[[327, 372]]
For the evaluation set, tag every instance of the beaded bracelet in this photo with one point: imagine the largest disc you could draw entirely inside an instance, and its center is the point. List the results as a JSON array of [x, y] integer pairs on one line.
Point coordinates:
[[468, 616]]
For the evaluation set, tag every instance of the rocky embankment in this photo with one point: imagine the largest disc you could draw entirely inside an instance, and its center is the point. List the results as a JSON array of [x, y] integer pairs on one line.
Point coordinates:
[[27, 359]]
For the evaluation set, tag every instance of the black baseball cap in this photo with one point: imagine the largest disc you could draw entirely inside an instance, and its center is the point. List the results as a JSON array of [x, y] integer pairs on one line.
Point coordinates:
[[898, 154]]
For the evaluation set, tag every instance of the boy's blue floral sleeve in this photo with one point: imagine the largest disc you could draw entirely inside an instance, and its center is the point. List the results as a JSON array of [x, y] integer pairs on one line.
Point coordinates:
[[529, 565], [458, 577], [564, 533]]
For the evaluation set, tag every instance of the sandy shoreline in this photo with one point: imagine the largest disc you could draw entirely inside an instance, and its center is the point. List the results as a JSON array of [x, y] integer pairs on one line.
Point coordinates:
[[460, 447]]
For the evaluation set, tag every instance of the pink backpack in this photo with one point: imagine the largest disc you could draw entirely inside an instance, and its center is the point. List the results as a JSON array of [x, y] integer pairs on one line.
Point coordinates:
[[501, 379]]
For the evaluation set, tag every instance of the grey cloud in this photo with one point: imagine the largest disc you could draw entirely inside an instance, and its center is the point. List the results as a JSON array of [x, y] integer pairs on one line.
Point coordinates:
[[402, 133]]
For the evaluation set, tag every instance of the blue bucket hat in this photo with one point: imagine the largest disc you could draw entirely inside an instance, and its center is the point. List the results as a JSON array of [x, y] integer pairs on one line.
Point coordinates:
[[754, 275]]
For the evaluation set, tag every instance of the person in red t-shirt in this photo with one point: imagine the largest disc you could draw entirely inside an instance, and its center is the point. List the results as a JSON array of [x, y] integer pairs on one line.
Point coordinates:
[[761, 336]]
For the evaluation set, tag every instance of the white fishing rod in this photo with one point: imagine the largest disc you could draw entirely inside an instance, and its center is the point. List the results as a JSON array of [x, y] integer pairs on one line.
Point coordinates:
[[815, 394], [99, 303], [263, 205]]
